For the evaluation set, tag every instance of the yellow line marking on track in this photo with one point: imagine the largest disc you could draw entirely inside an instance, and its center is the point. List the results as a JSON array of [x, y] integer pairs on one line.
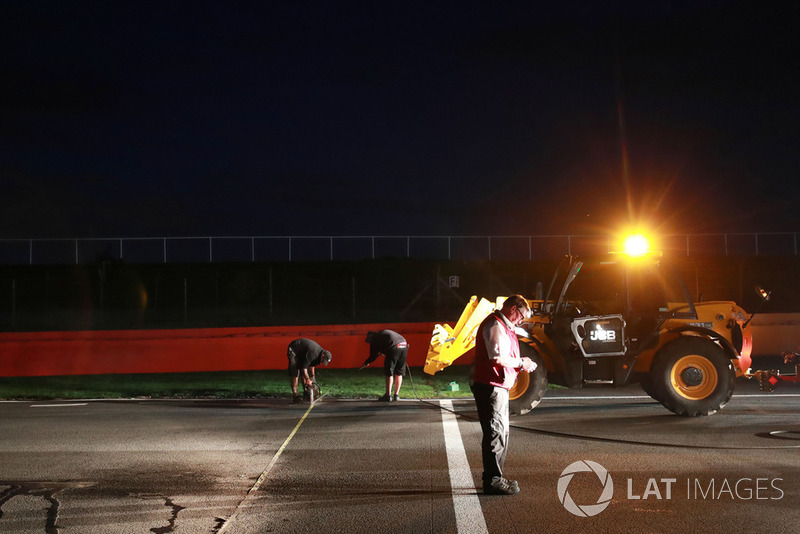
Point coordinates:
[[263, 477]]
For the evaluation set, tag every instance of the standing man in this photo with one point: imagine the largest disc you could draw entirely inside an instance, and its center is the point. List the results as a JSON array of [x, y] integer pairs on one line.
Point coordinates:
[[497, 364], [395, 349], [304, 355]]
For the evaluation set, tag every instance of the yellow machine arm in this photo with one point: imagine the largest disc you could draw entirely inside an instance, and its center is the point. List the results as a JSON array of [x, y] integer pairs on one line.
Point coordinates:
[[447, 343]]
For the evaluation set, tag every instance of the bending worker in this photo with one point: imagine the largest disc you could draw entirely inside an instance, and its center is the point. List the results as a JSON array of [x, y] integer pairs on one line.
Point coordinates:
[[394, 348], [304, 355]]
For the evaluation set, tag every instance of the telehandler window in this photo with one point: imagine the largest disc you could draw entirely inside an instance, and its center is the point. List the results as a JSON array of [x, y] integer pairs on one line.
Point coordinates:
[[650, 290], [600, 288]]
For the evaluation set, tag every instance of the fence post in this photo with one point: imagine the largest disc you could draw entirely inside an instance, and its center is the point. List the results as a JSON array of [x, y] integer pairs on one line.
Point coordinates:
[[155, 293], [102, 277], [46, 297], [14, 303], [270, 292], [354, 295]]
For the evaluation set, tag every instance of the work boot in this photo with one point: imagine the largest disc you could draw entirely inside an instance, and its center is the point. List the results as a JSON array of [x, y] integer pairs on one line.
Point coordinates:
[[297, 399], [494, 480], [396, 397], [501, 486], [385, 398]]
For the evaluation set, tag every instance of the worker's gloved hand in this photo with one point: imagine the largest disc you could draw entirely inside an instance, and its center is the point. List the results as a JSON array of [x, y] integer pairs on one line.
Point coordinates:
[[529, 365]]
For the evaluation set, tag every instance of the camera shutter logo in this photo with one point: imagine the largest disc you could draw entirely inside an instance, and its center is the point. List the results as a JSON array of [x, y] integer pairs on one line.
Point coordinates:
[[585, 510]]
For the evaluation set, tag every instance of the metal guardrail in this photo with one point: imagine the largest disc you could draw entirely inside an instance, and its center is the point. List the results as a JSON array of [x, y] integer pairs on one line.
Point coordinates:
[[329, 248]]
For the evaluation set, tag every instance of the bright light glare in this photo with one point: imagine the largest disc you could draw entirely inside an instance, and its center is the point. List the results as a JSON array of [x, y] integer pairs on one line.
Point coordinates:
[[636, 245]]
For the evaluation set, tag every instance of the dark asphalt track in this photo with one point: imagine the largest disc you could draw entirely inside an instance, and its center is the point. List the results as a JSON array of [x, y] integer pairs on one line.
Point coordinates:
[[355, 466]]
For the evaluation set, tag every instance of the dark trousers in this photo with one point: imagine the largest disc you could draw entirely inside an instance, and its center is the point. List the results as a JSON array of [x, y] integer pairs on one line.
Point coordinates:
[[492, 404]]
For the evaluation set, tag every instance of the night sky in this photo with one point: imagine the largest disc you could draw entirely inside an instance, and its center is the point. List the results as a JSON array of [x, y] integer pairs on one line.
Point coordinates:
[[195, 118]]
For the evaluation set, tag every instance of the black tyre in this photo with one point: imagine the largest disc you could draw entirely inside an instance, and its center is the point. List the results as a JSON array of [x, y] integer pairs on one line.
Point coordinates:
[[692, 376], [529, 388], [646, 381]]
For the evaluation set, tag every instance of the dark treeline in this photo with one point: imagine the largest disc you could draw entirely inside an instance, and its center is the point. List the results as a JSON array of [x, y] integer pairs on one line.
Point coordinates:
[[116, 295]]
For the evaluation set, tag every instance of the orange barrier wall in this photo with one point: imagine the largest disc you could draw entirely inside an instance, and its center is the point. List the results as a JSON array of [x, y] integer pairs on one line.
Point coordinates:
[[190, 350], [251, 348]]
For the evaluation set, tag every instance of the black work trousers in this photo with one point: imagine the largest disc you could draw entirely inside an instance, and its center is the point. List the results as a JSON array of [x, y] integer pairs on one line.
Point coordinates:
[[492, 404]]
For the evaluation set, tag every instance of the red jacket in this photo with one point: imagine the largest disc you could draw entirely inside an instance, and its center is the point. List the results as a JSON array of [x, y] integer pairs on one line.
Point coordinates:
[[486, 369]]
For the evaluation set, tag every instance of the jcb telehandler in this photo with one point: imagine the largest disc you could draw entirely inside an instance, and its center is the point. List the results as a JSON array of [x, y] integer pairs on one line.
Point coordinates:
[[617, 320]]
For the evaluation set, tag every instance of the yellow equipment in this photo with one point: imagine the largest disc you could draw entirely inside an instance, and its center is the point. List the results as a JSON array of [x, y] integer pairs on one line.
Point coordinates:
[[613, 321], [448, 343]]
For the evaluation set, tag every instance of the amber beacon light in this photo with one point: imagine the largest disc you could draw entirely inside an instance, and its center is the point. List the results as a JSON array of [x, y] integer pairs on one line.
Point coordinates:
[[636, 245]]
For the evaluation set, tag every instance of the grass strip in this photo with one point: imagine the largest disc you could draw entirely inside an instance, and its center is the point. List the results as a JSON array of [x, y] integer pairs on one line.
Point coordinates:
[[337, 383]]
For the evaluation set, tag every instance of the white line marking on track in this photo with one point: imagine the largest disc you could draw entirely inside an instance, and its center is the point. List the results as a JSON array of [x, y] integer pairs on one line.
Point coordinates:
[[58, 405], [469, 515], [598, 397], [646, 397], [765, 395], [263, 477]]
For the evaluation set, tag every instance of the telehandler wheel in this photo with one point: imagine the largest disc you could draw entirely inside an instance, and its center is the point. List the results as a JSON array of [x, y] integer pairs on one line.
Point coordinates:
[[529, 388], [692, 376], [646, 381]]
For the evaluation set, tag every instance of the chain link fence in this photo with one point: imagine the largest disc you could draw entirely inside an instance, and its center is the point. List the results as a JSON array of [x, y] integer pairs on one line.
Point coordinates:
[[143, 250], [158, 282]]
